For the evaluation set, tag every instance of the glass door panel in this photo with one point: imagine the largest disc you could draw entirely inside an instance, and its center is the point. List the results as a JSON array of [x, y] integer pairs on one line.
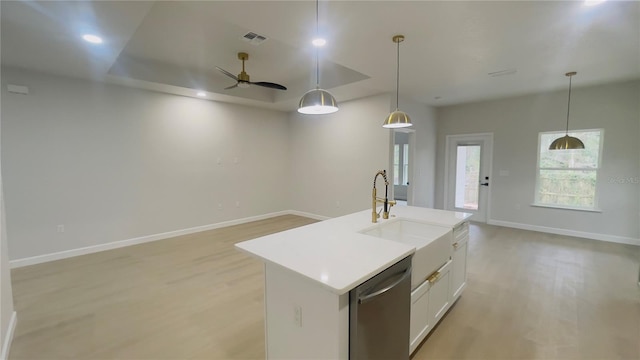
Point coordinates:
[[467, 178]]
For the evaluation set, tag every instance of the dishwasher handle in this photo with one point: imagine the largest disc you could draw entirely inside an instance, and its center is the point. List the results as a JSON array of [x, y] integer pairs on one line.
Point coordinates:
[[401, 276]]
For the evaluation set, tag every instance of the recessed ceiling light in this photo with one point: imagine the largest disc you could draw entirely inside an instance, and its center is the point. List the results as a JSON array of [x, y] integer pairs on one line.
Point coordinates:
[[201, 94], [593, 2], [319, 42], [94, 39]]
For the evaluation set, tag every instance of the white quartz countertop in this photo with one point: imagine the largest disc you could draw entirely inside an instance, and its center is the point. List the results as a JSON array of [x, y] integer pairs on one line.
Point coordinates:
[[333, 253]]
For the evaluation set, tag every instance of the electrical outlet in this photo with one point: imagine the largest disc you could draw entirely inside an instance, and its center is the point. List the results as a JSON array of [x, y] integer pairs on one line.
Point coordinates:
[[237, 204], [297, 315], [220, 206], [60, 228]]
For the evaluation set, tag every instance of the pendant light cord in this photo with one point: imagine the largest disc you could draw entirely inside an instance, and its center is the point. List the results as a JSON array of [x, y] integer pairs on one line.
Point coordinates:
[[398, 78], [568, 106], [317, 50], [317, 70]]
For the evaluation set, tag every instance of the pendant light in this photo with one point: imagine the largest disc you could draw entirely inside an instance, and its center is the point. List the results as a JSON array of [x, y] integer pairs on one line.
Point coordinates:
[[317, 101], [567, 142], [397, 119]]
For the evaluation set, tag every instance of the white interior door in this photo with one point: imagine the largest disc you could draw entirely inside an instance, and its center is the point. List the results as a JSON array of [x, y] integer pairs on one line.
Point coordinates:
[[467, 175]]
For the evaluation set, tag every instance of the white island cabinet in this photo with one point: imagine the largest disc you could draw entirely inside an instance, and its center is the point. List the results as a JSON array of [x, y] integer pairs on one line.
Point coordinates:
[[459, 259], [310, 270], [432, 298]]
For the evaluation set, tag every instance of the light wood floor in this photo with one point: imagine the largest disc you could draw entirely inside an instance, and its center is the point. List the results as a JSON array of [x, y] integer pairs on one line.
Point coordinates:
[[530, 296]]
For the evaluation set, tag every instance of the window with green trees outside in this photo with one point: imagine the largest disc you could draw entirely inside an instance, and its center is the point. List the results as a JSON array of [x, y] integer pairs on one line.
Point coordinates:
[[568, 178]]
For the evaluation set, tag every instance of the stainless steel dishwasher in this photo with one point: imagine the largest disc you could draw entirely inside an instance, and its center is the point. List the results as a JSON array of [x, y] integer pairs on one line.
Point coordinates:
[[379, 315]]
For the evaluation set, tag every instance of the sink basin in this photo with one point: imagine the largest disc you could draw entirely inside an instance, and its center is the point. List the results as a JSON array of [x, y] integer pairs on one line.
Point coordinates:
[[432, 242]]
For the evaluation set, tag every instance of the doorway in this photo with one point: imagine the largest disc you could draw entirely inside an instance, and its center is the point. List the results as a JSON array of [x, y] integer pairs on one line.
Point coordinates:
[[402, 165], [467, 174]]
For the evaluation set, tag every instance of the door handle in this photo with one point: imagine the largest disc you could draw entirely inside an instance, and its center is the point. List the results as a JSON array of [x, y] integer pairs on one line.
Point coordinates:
[[484, 184], [403, 275]]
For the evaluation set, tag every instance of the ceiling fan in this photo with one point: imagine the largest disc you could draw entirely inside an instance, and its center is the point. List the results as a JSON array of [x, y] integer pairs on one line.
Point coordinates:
[[242, 80]]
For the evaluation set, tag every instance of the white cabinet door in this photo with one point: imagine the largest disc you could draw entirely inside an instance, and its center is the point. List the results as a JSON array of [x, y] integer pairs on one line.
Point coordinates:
[[459, 260], [440, 293], [459, 268], [429, 302], [420, 324]]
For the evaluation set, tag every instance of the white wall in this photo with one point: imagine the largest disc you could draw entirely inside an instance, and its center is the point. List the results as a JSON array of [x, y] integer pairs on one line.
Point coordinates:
[[516, 122], [6, 291], [423, 178], [113, 163], [335, 157]]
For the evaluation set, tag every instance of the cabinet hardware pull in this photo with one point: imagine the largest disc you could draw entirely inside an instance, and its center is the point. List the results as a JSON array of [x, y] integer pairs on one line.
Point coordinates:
[[455, 245], [433, 277]]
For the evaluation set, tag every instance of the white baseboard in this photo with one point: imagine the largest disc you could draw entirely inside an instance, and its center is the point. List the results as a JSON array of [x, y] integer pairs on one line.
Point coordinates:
[[581, 234], [308, 215], [6, 344], [148, 238]]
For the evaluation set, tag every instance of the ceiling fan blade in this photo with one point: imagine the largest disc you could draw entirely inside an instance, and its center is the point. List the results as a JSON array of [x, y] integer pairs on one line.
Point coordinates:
[[270, 85], [231, 87], [227, 73]]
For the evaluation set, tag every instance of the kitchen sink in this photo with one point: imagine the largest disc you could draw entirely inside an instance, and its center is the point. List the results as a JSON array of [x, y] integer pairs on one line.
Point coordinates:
[[432, 242]]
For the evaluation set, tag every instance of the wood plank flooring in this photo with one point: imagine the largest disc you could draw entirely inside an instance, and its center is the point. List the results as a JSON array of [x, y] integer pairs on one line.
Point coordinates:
[[529, 296], [532, 295]]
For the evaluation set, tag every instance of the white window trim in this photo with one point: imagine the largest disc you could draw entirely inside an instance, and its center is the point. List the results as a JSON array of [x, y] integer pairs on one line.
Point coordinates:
[[597, 210], [595, 207]]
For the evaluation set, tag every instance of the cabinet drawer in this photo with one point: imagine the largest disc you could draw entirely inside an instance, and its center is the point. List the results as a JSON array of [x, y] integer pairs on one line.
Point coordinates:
[[439, 293], [461, 231], [420, 290]]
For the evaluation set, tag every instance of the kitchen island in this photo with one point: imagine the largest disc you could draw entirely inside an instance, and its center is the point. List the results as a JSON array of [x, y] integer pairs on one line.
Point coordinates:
[[310, 270]]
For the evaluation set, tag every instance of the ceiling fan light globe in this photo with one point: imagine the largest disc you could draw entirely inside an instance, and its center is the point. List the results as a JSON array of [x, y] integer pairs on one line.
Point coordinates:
[[566, 143], [243, 84], [317, 102], [397, 119]]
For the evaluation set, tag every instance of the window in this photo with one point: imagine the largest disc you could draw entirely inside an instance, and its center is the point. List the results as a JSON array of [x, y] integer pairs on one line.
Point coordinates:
[[396, 164], [567, 178], [405, 164], [400, 164]]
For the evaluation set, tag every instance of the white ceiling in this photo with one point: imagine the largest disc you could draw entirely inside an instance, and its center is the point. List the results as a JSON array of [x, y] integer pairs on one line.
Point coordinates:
[[450, 46]]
